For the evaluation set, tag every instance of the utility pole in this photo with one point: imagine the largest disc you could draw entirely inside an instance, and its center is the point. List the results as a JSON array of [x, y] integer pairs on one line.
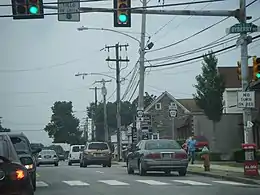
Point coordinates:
[[92, 113], [104, 93], [140, 106], [247, 113], [118, 59]]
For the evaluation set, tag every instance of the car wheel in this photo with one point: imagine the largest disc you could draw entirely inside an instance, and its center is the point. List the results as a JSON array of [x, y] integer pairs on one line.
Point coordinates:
[[109, 164], [129, 169], [69, 163], [56, 164], [167, 172], [182, 172], [84, 164], [80, 164], [141, 169], [104, 165]]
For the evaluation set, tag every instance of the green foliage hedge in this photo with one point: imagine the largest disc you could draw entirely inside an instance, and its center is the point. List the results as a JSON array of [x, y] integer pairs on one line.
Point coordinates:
[[239, 155]]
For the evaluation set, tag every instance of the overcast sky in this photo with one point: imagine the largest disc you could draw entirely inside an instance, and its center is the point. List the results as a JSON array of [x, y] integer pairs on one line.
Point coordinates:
[[39, 59]]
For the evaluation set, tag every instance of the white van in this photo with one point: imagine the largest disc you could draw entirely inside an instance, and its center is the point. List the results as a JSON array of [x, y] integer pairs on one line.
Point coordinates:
[[74, 153]]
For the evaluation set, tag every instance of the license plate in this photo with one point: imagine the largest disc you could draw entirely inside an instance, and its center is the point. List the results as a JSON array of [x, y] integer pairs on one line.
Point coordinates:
[[167, 155], [47, 156], [98, 155]]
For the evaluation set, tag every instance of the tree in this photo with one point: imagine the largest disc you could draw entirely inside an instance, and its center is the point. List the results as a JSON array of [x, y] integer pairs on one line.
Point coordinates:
[[209, 91], [2, 129], [148, 99], [64, 126]]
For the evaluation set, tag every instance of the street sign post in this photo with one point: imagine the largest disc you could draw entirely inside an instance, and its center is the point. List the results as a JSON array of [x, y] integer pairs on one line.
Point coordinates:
[[69, 10], [243, 28], [246, 99]]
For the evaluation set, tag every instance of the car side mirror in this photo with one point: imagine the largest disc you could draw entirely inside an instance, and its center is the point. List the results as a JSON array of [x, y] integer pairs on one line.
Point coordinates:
[[36, 150]]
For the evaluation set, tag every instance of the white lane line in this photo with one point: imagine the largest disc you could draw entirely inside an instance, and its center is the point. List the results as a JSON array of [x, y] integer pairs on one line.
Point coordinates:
[[99, 172], [152, 182], [113, 182], [190, 182], [231, 183], [76, 183], [41, 184]]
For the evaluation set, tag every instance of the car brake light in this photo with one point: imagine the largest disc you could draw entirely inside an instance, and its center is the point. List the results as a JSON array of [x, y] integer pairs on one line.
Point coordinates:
[[181, 156], [18, 175], [153, 156]]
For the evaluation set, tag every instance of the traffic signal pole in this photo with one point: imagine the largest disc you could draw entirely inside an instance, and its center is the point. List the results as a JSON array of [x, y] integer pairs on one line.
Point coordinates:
[[247, 113]]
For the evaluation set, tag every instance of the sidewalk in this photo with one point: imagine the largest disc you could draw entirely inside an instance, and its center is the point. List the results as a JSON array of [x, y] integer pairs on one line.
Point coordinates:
[[230, 173]]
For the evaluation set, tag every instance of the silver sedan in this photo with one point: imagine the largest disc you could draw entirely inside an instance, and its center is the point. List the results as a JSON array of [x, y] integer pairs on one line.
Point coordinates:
[[157, 155], [47, 157]]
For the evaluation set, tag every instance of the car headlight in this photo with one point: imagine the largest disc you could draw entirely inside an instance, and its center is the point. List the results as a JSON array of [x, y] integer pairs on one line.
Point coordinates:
[[29, 166]]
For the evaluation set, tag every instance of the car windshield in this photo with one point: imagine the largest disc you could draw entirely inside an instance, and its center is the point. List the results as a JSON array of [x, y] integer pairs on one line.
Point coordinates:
[[75, 149], [21, 145], [47, 152], [162, 144], [98, 146]]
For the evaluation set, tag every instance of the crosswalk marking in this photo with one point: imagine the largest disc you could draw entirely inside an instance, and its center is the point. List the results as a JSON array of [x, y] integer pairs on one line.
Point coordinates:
[[76, 183], [194, 183], [152, 182], [114, 182], [231, 183], [41, 184]]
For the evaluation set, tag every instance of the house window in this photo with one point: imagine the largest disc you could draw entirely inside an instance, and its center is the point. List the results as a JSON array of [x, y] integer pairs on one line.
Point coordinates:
[[158, 106]]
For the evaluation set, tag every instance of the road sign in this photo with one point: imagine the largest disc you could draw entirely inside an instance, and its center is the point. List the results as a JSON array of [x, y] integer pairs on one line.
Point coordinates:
[[140, 113], [69, 10], [104, 91], [249, 124], [243, 27], [173, 106], [246, 99], [173, 113]]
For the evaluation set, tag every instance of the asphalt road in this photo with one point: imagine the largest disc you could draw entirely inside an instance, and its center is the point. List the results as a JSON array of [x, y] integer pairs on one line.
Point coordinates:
[[96, 180]]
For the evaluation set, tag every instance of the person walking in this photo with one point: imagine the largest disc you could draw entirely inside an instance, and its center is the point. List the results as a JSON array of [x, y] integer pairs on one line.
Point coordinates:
[[191, 149]]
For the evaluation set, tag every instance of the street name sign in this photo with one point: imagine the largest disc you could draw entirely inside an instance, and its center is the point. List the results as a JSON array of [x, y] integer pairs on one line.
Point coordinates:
[[69, 10], [243, 28], [246, 99]]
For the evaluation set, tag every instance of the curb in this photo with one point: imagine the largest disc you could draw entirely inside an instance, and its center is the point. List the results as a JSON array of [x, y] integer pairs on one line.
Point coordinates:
[[226, 177]]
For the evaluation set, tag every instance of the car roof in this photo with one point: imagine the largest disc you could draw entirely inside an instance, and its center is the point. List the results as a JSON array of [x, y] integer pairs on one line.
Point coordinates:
[[97, 142]]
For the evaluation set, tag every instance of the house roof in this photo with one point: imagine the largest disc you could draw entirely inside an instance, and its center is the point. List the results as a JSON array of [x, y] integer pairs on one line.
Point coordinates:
[[231, 77], [171, 97], [190, 104]]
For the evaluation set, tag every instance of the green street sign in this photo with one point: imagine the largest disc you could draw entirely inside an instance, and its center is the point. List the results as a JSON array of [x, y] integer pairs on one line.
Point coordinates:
[[243, 28]]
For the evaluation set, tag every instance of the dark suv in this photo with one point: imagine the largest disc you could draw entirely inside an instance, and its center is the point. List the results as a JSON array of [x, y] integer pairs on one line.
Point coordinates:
[[26, 153]]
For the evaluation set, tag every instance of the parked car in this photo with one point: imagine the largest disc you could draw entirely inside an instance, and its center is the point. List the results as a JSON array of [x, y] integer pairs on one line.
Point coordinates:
[[74, 154], [157, 155], [14, 177], [48, 157], [26, 153], [201, 141], [96, 153]]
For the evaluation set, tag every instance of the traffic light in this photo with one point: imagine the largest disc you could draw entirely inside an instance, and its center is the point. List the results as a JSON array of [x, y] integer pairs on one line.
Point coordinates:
[[27, 9], [122, 18], [239, 70], [256, 68]]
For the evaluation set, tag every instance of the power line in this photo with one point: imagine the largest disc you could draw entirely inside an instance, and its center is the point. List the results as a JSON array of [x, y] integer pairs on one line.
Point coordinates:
[[198, 57], [133, 8], [197, 33]]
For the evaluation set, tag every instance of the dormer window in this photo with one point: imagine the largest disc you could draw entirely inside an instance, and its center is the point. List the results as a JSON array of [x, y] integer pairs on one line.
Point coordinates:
[[158, 106]]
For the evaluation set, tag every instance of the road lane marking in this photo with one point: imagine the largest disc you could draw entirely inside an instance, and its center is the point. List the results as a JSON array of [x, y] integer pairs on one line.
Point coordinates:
[[113, 182], [152, 182], [190, 182], [99, 172], [41, 184], [230, 183], [76, 183]]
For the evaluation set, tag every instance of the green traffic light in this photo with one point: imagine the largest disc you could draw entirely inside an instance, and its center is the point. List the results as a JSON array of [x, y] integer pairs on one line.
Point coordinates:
[[122, 18], [258, 75], [34, 10]]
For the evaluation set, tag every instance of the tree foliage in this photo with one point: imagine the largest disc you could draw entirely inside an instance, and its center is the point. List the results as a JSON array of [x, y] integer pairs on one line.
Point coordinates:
[[64, 126], [2, 129], [210, 88]]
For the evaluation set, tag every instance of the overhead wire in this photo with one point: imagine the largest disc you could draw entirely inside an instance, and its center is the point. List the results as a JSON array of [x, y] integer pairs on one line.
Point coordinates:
[[197, 33]]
